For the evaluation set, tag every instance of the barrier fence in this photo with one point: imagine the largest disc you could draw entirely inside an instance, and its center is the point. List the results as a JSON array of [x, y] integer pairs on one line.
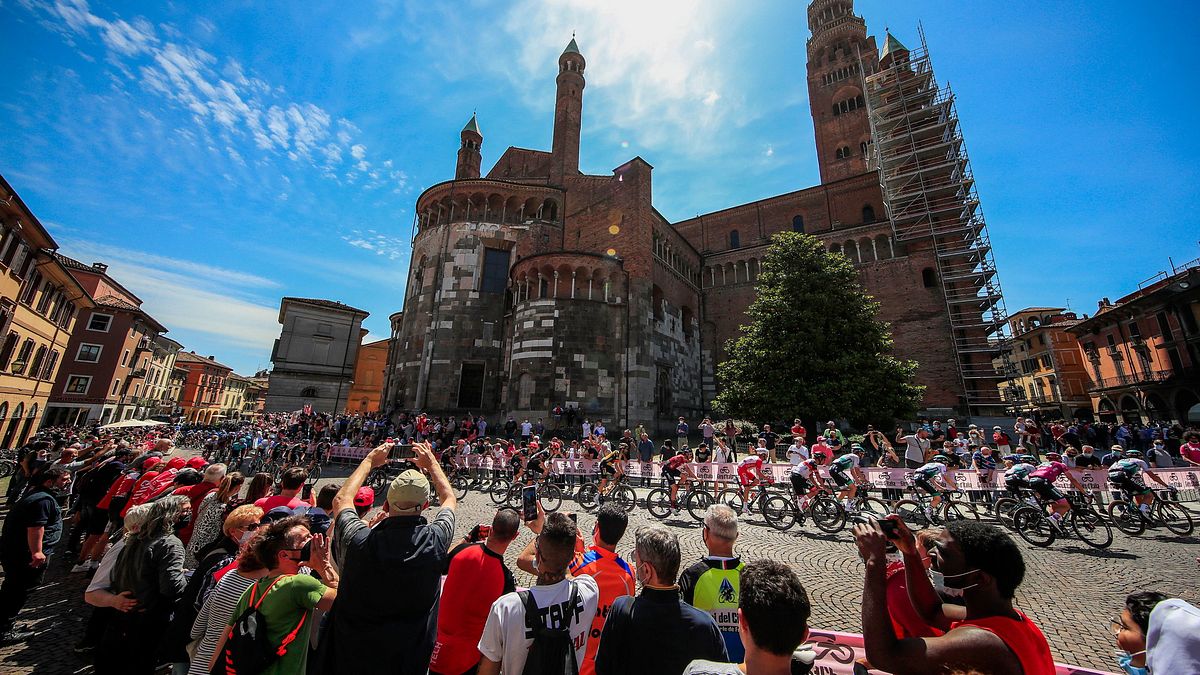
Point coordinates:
[[1187, 481]]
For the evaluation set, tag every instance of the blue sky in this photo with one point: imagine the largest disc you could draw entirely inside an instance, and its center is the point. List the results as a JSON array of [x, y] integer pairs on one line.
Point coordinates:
[[220, 155]]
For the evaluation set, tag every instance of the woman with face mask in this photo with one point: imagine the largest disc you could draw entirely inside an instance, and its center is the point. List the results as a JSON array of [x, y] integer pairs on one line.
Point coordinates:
[[1130, 627], [150, 570], [212, 621]]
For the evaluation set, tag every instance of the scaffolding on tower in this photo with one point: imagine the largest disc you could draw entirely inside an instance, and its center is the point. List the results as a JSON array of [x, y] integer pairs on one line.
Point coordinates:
[[929, 192]]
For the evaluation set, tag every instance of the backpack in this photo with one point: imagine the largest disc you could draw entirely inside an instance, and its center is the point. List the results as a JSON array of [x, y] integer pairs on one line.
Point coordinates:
[[552, 652], [248, 650]]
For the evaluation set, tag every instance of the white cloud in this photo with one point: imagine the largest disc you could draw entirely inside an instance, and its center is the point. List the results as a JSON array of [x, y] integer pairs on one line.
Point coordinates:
[[769, 151], [219, 96], [184, 295], [655, 71], [392, 248]]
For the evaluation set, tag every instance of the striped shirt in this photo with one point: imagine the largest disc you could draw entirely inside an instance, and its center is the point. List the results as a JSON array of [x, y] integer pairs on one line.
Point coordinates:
[[213, 619]]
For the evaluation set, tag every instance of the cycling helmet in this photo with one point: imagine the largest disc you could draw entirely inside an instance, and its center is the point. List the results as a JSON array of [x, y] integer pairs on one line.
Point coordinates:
[[819, 455], [762, 450], [1133, 453], [1028, 459], [856, 448], [941, 459], [1053, 455]]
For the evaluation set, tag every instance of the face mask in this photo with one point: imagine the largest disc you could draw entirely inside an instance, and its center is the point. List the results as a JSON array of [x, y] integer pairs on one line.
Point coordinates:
[[246, 536], [1125, 663], [939, 583], [183, 521]]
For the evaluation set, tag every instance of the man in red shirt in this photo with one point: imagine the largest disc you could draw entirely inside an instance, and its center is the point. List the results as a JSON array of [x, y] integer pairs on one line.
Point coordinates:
[[476, 578], [970, 560], [289, 490], [798, 430], [1190, 451], [613, 575]]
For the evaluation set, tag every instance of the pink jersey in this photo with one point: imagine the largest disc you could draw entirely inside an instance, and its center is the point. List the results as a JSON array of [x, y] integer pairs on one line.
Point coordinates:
[[1050, 471]]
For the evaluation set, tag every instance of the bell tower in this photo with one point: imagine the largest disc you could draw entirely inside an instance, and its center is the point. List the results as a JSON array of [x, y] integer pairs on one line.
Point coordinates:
[[568, 112], [840, 55], [469, 155]]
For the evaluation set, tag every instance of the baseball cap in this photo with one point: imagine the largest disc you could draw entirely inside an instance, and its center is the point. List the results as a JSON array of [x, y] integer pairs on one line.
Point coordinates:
[[364, 497], [151, 462], [281, 512], [408, 492], [197, 463]]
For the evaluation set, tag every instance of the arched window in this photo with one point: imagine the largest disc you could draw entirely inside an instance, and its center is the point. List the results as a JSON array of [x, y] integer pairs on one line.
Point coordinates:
[[798, 224], [735, 239], [839, 154], [4, 410], [868, 213], [928, 277]]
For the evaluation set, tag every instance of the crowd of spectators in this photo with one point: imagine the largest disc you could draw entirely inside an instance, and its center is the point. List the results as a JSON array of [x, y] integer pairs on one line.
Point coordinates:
[[187, 556]]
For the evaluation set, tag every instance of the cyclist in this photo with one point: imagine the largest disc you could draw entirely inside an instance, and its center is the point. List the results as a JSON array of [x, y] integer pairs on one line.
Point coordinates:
[[677, 471], [1041, 480], [803, 477], [848, 484], [1126, 473], [611, 468], [1016, 476], [933, 479], [535, 467], [750, 472]]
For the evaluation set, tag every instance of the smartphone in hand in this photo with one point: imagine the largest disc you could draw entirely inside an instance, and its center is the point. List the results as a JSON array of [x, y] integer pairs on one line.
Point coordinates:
[[529, 503]]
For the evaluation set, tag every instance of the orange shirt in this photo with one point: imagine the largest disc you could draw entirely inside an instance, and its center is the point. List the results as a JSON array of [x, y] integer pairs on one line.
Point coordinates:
[[615, 578]]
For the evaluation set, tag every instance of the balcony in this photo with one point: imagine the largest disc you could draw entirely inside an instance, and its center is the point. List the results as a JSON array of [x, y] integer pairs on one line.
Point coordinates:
[[1131, 379], [140, 373]]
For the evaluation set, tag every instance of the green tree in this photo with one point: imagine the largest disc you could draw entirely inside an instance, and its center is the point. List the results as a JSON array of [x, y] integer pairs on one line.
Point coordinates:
[[814, 348]]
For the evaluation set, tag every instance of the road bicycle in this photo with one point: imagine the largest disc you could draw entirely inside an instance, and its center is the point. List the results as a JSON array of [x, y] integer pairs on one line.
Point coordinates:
[[1004, 507], [1035, 525], [617, 491], [695, 499], [782, 511], [917, 512], [507, 491], [1165, 511]]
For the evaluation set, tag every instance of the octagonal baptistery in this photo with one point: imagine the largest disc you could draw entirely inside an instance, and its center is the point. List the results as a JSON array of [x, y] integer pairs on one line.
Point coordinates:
[[451, 339], [569, 328]]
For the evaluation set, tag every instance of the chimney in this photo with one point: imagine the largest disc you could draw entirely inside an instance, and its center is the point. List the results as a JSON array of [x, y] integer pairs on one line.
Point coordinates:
[[100, 267], [211, 357]]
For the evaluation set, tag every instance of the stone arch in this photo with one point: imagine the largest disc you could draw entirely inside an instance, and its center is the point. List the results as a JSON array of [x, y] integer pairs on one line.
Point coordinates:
[[1185, 400], [579, 279], [866, 247], [529, 210], [545, 281], [1156, 407], [850, 248], [495, 208], [752, 269], [549, 210], [686, 317], [1130, 410], [613, 289], [868, 213], [597, 285], [883, 247], [562, 281], [835, 248]]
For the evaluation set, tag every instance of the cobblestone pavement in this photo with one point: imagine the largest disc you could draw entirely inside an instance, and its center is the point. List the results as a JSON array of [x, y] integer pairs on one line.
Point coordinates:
[[1070, 590]]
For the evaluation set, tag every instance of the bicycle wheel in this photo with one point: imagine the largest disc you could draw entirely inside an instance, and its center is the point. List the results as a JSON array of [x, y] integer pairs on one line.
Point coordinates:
[[779, 512], [955, 510], [1175, 518], [460, 487], [1034, 526], [827, 514], [550, 496], [588, 496], [1003, 510], [7, 468], [1090, 528], [732, 498], [314, 474], [499, 491], [873, 508], [658, 503], [697, 504], [377, 479], [624, 497], [912, 513], [1126, 517]]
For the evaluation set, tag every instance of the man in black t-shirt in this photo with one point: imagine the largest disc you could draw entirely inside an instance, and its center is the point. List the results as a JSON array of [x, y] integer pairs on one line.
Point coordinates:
[[32, 528]]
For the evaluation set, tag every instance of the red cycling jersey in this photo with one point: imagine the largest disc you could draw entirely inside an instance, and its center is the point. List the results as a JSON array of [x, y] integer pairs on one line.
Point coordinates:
[[677, 461]]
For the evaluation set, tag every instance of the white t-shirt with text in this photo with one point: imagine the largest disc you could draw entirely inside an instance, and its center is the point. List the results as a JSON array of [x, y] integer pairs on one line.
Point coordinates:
[[504, 638]]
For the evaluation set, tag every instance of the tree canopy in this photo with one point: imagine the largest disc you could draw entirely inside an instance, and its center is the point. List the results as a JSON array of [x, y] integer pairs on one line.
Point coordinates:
[[814, 348]]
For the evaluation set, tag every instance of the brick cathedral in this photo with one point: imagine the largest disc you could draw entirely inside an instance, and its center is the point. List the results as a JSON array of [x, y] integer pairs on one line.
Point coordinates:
[[538, 285]]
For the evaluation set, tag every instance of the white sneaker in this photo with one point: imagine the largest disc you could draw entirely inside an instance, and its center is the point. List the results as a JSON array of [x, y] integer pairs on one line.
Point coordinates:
[[82, 567]]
